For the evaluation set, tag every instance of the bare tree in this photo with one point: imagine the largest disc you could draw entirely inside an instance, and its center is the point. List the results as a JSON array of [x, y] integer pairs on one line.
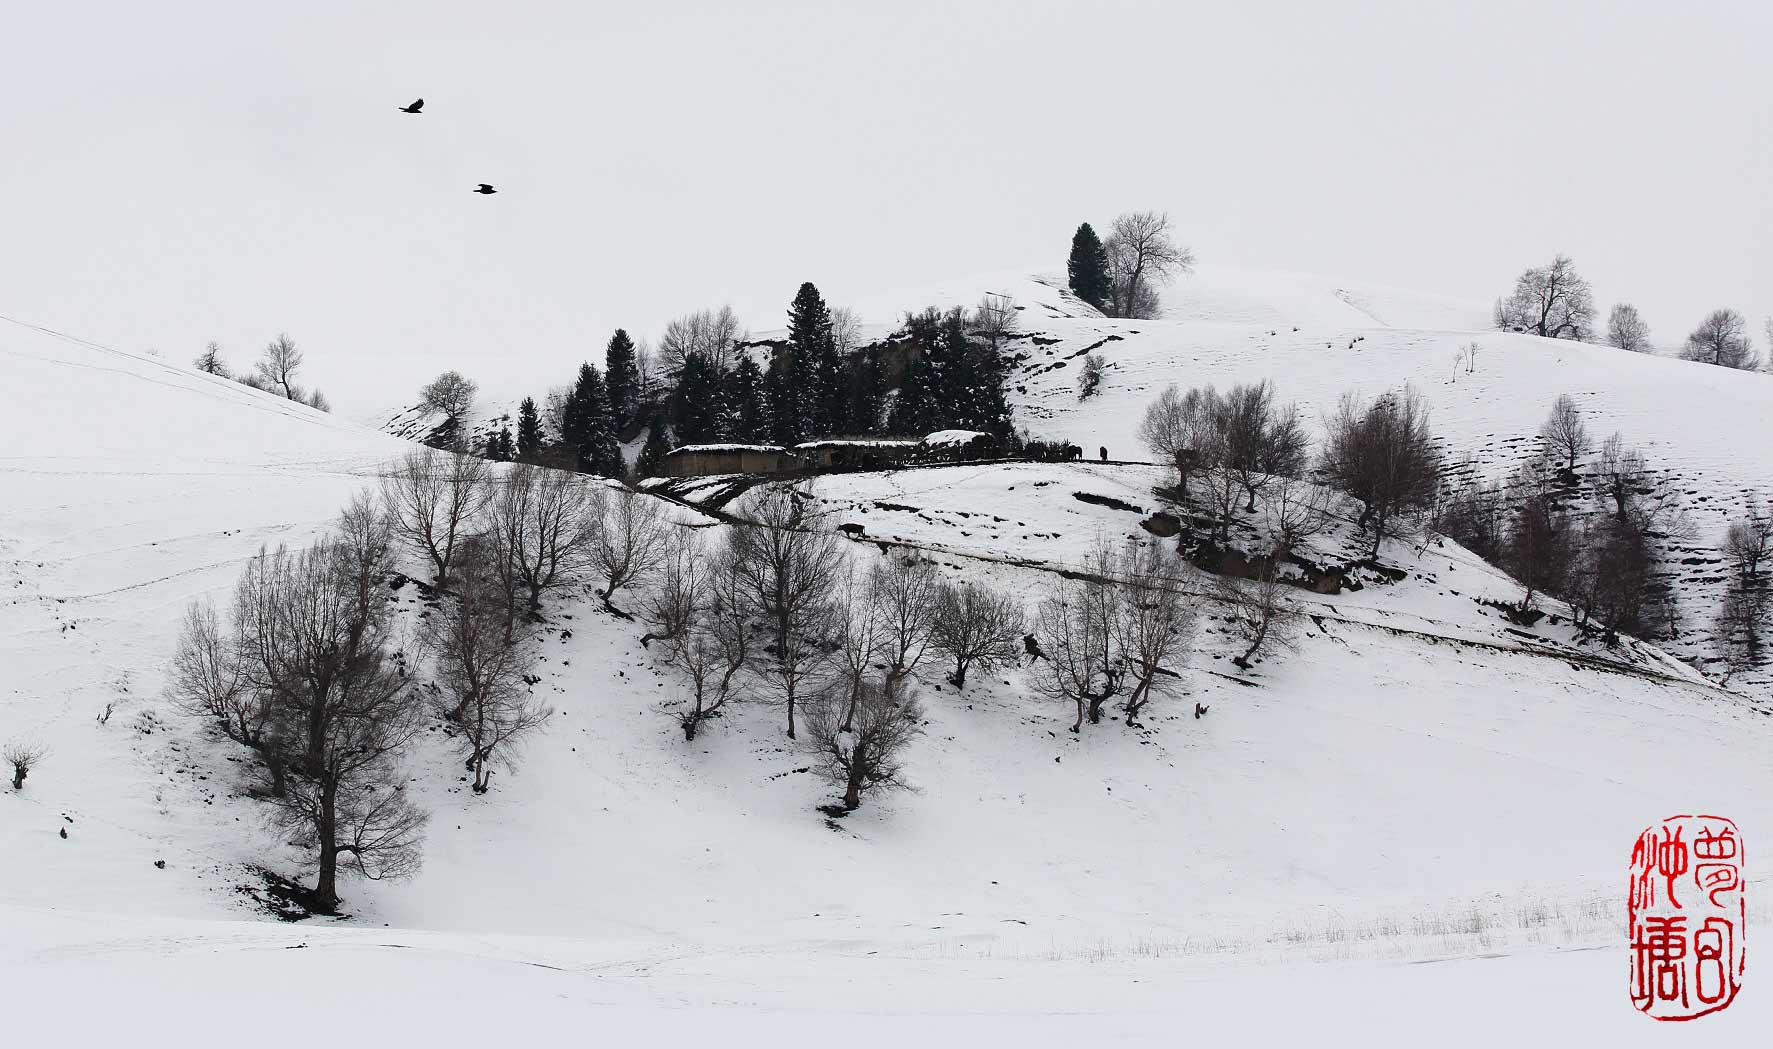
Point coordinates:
[[545, 524], [1258, 438], [977, 626], [868, 755], [1541, 542], [629, 539], [451, 395], [1262, 613], [1156, 622], [1722, 339], [342, 709], [1179, 428], [846, 331], [1618, 474], [482, 665], [1295, 511], [789, 567], [1749, 541], [1740, 629], [210, 360], [1627, 330], [1072, 640], [1089, 377], [672, 603], [1610, 573], [858, 636], [994, 319], [1383, 455], [23, 757], [207, 679], [903, 592], [434, 500], [1565, 432], [710, 334], [711, 643], [1473, 515], [1141, 256], [1553, 301], [278, 364]]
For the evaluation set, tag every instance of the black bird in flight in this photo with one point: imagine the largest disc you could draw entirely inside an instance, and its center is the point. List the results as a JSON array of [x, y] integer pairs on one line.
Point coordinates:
[[485, 189], [417, 104]]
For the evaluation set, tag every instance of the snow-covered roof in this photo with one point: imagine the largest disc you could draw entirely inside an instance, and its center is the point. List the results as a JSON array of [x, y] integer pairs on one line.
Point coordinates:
[[954, 437], [858, 442], [699, 448]]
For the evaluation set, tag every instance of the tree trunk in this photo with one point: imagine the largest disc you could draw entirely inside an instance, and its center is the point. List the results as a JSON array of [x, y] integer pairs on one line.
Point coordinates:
[[274, 765], [852, 793], [326, 891], [1136, 701]]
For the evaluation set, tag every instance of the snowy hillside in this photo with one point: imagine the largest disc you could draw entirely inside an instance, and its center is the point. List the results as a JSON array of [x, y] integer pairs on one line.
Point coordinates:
[[1700, 428], [1416, 782]]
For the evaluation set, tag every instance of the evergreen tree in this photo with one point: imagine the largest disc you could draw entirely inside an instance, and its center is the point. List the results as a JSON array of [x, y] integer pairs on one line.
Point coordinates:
[[529, 432], [867, 392], [1088, 268], [622, 375], [816, 373], [506, 449], [956, 382], [585, 426], [746, 418], [696, 407], [652, 453], [917, 411], [781, 401]]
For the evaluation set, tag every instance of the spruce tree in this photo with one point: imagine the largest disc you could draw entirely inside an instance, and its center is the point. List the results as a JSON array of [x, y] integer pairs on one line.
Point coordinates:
[[585, 425], [814, 369], [867, 392], [652, 453], [919, 407], [747, 418], [781, 401], [529, 432], [1088, 268], [622, 376], [696, 407]]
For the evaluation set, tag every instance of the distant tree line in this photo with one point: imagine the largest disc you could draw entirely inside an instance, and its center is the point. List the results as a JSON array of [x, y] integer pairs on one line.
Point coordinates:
[[274, 372], [1556, 302], [707, 382]]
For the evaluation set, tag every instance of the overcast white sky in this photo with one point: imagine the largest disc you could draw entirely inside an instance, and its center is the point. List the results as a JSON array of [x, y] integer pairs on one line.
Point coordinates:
[[174, 173]]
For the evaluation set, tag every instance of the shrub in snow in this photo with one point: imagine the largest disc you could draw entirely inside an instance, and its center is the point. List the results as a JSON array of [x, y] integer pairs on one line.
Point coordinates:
[[1090, 379], [22, 757]]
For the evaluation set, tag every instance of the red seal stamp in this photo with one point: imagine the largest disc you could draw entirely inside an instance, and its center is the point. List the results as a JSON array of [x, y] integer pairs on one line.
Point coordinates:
[[1687, 917]]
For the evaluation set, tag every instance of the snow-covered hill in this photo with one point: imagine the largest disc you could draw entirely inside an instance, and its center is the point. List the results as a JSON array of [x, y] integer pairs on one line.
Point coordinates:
[[1416, 782]]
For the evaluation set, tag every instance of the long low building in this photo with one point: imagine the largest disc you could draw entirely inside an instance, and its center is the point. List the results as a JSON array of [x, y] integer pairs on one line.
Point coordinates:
[[857, 453], [696, 460]]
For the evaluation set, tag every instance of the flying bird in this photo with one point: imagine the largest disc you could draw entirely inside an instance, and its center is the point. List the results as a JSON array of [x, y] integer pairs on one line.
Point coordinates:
[[417, 104], [484, 188]]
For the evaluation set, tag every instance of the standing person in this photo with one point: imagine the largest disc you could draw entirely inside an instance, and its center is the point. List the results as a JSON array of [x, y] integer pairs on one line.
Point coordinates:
[[1104, 452]]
